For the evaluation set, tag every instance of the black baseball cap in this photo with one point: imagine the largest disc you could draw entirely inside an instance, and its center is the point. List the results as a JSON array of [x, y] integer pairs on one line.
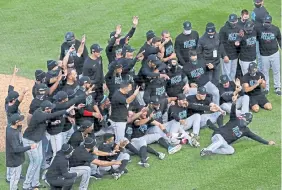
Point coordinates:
[[46, 104], [202, 90], [124, 84], [96, 48], [69, 36], [108, 136], [12, 95], [51, 64], [252, 67], [85, 124], [41, 87], [70, 63], [154, 59], [112, 34], [155, 100], [187, 25], [267, 19], [60, 96], [127, 48], [224, 79], [67, 149], [232, 18], [249, 25], [83, 80], [117, 65], [16, 118], [71, 93], [89, 142], [150, 34], [210, 27], [39, 75], [181, 97]]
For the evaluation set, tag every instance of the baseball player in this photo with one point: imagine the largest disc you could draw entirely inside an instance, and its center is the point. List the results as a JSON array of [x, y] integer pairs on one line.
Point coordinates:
[[179, 122], [201, 103], [197, 74], [178, 82], [185, 42], [156, 87], [247, 45], [85, 156], [257, 16], [230, 91], [108, 146], [40, 77], [243, 19], [228, 35], [235, 129], [117, 40], [58, 175], [71, 81], [15, 150], [113, 78], [269, 37], [78, 53], [118, 117], [211, 49], [168, 47], [93, 68], [85, 130], [253, 83], [33, 135]]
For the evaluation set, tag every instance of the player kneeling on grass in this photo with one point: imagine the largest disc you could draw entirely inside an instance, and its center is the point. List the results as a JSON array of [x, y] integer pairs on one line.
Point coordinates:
[[233, 130], [108, 146], [253, 84], [58, 175], [179, 122], [15, 149]]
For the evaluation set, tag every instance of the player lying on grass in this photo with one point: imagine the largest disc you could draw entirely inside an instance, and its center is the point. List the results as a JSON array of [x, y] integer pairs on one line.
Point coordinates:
[[233, 130]]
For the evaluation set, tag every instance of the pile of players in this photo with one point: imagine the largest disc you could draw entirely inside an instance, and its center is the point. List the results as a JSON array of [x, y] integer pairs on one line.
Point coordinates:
[[177, 88]]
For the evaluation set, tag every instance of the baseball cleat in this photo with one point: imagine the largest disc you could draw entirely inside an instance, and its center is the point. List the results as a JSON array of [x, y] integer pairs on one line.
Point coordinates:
[[161, 155], [96, 176], [116, 176], [278, 91], [205, 152], [174, 149], [144, 164]]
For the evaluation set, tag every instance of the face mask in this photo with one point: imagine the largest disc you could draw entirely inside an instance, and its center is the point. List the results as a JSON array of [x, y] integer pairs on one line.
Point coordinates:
[[187, 32], [232, 25], [194, 62], [211, 36], [258, 5], [266, 25]]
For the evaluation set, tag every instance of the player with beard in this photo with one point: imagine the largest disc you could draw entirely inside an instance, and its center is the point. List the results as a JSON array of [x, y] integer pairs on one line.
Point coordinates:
[[253, 83], [178, 82], [185, 42], [168, 47], [71, 82]]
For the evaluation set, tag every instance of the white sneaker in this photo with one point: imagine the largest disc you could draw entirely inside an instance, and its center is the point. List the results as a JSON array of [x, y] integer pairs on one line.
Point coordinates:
[[174, 149], [145, 165], [161, 155]]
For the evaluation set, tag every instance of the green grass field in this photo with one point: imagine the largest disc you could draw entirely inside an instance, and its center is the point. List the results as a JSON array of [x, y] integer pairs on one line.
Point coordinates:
[[32, 32]]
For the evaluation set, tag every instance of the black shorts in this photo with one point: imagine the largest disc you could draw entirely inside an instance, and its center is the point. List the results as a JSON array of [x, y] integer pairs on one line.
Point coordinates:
[[260, 100]]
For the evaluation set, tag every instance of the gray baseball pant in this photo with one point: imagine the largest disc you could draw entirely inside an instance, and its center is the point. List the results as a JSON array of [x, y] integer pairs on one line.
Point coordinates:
[[121, 156], [145, 140], [245, 66], [242, 102], [67, 135], [211, 116], [35, 160], [211, 89], [15, 173], [56, 143], [105, 130], [119, 130], [272, 61], [220, 146], [140, 99], [8, 174], [84, 172], [259, 61], [229, 69]]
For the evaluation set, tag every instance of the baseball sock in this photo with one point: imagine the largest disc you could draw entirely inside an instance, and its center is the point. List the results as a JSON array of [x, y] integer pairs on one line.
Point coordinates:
[[132, 149], [163, 142], [123, 165], [152, 151], [143, 154]]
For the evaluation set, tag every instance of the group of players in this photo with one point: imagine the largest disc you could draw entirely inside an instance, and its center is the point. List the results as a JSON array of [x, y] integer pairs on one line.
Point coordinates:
[[178, 87]]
